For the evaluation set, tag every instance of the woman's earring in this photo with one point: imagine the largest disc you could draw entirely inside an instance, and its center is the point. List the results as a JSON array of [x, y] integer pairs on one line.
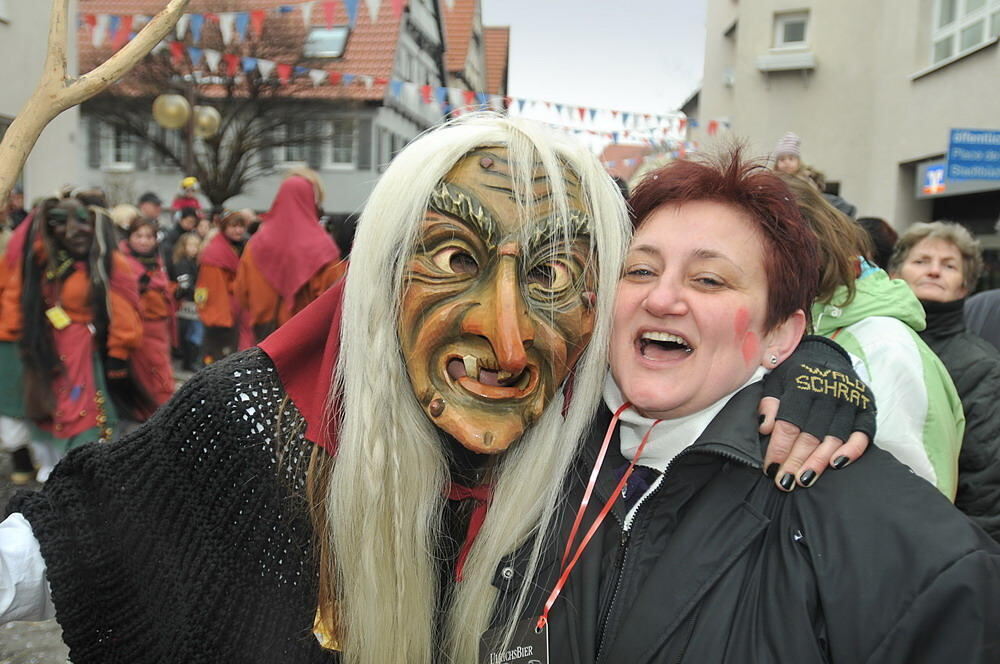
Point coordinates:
[[774, 360]]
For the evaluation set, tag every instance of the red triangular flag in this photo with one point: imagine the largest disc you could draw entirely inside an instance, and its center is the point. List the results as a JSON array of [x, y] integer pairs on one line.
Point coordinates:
[[335, 77], [469, 97], [425, 93], [177, 52], [284, 73], [212, 17], [397, 9], [257, 22], [581, 110], [124, 29], [713, 127], [90, 19], [507, 101], [381, 80], [681, 124], [232, 63], [328, 8], [614, 114]]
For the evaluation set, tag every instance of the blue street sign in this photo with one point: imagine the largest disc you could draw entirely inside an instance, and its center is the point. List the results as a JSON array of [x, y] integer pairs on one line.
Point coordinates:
[[974, 154]]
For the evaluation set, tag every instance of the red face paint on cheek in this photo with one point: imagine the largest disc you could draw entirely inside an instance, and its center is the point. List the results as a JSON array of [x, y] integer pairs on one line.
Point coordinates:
[[750, 346]]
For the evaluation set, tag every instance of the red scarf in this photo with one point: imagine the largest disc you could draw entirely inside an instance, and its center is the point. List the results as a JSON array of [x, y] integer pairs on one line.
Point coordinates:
[[220, 253], [291, 246]]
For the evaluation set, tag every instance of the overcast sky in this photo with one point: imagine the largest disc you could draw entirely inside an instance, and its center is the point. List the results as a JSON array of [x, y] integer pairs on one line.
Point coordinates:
[[632, 55]]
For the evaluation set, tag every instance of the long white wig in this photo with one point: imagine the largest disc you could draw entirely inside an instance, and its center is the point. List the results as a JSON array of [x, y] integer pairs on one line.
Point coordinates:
[[385, 495]]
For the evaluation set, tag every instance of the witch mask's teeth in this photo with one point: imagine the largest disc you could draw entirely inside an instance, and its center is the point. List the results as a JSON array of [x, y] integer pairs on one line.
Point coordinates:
[[471, 367]]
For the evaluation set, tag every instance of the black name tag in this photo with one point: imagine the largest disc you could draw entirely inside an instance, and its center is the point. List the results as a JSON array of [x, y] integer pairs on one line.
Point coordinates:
[[529, 645]]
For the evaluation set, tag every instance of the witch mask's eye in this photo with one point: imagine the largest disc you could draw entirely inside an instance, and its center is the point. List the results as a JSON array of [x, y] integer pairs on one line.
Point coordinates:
[[552, 275], [456, 260]]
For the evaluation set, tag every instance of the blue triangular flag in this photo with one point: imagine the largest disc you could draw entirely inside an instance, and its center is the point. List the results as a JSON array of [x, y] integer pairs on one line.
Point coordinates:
[[441, 94], [195, 25], [483, 98], [559, 108], [625, 117], [196, 54], [352, 10], [395, 87], [593, 112], [242, 24], [520, 105], [285, 9], [614, 136], [348, 79], [249, 64], [300, 71], [113, 23]]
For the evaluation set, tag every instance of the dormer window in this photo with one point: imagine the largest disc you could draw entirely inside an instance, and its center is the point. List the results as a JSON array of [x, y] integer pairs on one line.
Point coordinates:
[[326, 42]]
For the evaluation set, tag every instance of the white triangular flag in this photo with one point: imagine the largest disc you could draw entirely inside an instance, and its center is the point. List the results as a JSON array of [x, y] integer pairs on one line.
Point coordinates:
[[307, 12], [318, 76], [227, 25], [139, 22], [160, 47], [450, 3], [265, 67], [373, 8], [369, 81], [455, 98], [100, 29], [212, 58], [182, 25], [496, 103]]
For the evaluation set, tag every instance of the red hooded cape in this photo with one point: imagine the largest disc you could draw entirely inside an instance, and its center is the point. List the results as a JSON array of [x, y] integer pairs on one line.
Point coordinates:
[[220, 253], [291, 246]]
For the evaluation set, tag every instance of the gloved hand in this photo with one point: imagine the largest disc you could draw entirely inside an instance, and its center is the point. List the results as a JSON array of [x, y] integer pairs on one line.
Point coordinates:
[[823, 403]]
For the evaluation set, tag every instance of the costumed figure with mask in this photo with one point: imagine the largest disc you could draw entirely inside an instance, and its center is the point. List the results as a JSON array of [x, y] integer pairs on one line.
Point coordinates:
[[70, 305], [352, 489]]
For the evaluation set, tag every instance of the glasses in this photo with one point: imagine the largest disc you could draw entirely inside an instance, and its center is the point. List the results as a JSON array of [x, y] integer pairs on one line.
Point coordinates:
[[59, 216]]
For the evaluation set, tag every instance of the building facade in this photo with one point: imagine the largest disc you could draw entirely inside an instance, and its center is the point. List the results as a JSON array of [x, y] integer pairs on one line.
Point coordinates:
[[23, 44], [872, 88]]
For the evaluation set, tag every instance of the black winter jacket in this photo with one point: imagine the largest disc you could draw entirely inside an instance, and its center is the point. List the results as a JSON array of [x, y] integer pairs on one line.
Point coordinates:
[[974, 366], [870, 565]]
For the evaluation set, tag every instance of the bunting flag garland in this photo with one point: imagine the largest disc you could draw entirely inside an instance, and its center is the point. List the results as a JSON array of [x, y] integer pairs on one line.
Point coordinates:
[[328, 12], [397, 7], [266, 68], [257, 21], [227, 25], [212, 59], [284, 73], [373, 9], [317, 76], [181, 27], [196, 55], [352, 11]]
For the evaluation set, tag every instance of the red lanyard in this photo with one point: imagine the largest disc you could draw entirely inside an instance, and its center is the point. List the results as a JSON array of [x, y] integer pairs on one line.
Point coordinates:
[[567, 568]]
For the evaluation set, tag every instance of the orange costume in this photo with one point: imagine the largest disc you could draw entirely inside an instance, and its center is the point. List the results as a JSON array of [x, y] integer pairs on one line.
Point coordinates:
[[79, 404], [227, 324], [290, 262]]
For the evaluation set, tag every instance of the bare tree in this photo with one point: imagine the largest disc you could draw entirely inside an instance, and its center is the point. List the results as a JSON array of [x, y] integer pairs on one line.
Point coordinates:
[[57, 91], [259, 115]]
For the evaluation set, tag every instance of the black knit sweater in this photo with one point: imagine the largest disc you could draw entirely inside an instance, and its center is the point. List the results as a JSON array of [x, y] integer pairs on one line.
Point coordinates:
[[188, 540]]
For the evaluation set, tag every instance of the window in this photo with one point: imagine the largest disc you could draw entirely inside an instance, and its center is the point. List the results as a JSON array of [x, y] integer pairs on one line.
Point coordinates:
[[326, 42], [343, 143], [790, 29], [961, 26], [4, 12], [293, 144], [117, 147]]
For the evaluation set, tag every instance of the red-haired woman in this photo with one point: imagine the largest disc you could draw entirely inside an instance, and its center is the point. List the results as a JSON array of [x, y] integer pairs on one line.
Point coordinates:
[[151, 361], [870, 565], [227, 326], [291, 260], [71, 305]]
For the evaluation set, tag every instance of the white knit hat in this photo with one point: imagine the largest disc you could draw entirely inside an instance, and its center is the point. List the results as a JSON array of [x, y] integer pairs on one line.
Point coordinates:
[[789, 144]]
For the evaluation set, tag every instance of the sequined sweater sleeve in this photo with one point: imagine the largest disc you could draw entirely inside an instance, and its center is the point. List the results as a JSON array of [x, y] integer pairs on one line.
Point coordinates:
[[187, 540]]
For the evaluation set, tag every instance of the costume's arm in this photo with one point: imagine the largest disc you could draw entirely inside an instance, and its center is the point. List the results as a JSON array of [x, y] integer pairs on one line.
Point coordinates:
[[125, 328], [953, 619], [814, 401], [24, 592]]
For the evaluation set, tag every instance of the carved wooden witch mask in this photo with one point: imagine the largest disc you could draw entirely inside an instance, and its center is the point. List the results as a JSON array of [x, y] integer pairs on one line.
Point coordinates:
[[498, 303]]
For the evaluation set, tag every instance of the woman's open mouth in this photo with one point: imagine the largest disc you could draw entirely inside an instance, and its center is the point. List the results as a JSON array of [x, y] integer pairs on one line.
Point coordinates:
[[655, 345], [483, 378]]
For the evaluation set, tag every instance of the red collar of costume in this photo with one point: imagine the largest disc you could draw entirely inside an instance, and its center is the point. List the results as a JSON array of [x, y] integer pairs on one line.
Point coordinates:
[[304, 351]]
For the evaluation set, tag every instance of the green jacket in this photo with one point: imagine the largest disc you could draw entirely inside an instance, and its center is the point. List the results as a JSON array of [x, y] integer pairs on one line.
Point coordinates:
[[920, 419]]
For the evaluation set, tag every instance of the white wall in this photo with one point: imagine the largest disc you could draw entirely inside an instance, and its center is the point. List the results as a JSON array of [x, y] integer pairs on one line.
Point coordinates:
[[54, 161]]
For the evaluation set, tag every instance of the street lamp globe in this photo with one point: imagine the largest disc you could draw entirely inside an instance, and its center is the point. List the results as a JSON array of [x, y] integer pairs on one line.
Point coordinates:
[[206, 121]]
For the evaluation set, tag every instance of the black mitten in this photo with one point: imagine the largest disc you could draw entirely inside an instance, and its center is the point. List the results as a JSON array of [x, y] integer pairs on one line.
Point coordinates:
[[820, 393]]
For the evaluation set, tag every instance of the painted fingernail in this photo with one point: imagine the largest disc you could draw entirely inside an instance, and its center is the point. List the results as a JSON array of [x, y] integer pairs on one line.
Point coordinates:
[[840, 462], [807, 478], [787, 481], [772, 470]]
